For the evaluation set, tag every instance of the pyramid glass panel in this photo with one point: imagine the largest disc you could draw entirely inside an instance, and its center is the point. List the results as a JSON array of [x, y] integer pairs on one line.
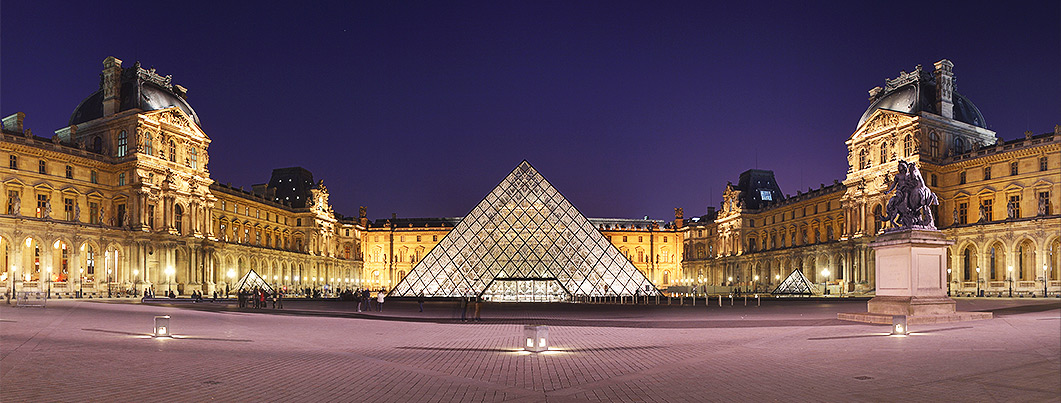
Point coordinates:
[[524, 242]]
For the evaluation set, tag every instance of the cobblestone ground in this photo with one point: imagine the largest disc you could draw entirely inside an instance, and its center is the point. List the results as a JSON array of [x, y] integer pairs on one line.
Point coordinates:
[[325, 351]]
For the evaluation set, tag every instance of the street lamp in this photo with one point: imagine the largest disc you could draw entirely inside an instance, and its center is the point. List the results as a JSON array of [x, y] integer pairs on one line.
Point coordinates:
[[81, 283], [825, 281], [1009, 277], [1045, 279], [231, 277], [730, 281], [136, 282], [978, 281], [169, 280], [49, 282], [948, 281], [756, 283], [108, 283]]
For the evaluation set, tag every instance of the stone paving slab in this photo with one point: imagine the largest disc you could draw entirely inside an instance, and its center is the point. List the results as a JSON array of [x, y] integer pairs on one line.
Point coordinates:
[[319, 351]]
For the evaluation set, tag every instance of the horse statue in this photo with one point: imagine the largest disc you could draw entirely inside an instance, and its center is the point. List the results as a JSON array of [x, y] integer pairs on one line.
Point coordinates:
[[910, 207]]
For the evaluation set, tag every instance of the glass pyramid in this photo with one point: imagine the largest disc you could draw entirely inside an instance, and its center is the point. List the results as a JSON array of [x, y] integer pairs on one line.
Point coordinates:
[[252, 280], [524, 242], [795, 283]]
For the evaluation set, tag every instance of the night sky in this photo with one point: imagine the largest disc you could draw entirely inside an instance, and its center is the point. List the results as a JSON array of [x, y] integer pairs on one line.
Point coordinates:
[[629, 109]]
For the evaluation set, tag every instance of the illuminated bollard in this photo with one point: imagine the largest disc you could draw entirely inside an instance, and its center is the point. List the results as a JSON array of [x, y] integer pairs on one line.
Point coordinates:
[[899, 326], [536, 338], [162, 326], [719, 300]]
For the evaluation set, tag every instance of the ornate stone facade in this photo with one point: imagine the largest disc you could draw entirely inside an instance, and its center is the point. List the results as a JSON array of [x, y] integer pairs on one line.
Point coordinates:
[[997, 200], [122, 200]]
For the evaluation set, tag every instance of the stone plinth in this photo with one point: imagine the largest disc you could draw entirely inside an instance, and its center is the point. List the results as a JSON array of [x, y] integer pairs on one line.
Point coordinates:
[[911, 280]]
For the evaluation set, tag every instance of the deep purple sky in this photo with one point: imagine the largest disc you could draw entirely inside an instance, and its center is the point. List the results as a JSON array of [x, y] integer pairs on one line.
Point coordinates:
[[629, 109]]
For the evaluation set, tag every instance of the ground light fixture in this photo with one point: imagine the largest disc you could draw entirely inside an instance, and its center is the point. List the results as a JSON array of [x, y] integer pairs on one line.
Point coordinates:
[[536, 338], [899, 327], [162, 328]]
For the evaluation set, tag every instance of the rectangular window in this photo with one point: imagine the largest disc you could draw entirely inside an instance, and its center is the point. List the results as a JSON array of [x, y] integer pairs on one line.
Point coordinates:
[[257, 213], [1014, 206], [12, 197], [1042, 164], [13, 162], [1044, 203], [417, 237], [963, 213], [68, 208], [987, 173], [69, 172], [664, 239], [193, 157], [151, 218], [961, 178], [42, 205], [223, 205], [93, 213], [121, 179], [641, 239], [401, 238], [624, 238], [1013, 168], [93, 177], [434, 238], [988, 207], [298, 222], [41, 168]]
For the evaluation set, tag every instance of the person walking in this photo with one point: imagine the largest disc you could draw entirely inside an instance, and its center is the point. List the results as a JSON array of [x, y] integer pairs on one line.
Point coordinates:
[[420, 300], [379, 300], [358, 299], [280, 299]]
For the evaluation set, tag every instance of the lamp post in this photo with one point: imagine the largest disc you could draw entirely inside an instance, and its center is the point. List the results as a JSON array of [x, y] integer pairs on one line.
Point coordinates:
[[108, 283], [1009, 277], [49, 270], [81, 283], [978, 281], [755, 284], [169, 280], [136, 282], [231, 277], [825, 281], [1046, 278], [948, 281]]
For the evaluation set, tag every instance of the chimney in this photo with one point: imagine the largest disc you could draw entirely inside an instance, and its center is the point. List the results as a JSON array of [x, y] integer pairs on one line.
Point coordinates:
[[679, 218], [362, 214], [14, 122], [945, 88], [111, 85]]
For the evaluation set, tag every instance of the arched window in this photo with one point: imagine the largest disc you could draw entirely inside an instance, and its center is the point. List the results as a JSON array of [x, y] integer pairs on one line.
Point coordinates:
[[172, 151], [97, 144], [863, 159], [933, 144], [959, 145], [123, 144], [967, 263], [149, 147], [178, 217], [90, 262], [908, 146], [666, 277], [883, 152]]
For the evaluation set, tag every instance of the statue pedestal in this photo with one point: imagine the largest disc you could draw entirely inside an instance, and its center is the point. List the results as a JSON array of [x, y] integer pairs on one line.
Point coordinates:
[[912, 280]]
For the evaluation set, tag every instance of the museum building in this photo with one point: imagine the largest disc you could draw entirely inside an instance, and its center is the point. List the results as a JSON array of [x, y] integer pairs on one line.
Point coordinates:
[[998, 200], [122, 199]]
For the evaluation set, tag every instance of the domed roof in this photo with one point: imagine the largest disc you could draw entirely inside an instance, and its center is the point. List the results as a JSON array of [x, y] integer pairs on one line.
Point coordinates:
[[915, 92], [140, 89]]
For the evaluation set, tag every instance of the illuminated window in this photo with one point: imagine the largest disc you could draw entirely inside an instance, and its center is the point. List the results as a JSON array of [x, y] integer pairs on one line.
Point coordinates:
[[908, 146], [193, 157], [68, 208], [93, 213], [172, 151], [121, 179], [149, 148], [93, 177], [883, 152], [123, 144], [933, 144], [12, 196], [42, 205]]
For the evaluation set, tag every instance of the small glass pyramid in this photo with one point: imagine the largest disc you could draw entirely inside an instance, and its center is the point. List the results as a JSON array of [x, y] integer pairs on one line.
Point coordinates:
[[524, 242], [252, 280], [795, 283]]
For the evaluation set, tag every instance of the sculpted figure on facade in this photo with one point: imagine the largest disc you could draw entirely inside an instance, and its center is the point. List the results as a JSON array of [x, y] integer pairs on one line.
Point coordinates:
[[48, 209], [983, 213], [77, 212], [17, 207], [910, 207]]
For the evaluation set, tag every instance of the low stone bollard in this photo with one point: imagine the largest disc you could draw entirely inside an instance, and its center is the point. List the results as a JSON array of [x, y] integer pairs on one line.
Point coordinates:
[[162, 326]]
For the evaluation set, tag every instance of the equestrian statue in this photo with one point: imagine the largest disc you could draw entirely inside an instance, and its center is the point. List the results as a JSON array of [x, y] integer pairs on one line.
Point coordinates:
[[910, 207]]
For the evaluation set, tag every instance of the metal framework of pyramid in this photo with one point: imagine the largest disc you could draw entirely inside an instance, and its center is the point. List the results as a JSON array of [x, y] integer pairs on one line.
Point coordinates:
[[795, 283], [252, 280], [524, 242]]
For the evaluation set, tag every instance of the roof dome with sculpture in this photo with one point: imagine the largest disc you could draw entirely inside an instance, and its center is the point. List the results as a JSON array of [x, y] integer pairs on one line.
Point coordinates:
[[916, 92], [141, 89]]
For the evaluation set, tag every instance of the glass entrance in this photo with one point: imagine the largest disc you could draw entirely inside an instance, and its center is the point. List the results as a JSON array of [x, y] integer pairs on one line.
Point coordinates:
[[525, 290]]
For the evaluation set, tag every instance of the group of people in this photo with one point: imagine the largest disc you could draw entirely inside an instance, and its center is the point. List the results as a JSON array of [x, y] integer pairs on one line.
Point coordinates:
[[257, 298], [365, 297], [469, 302]]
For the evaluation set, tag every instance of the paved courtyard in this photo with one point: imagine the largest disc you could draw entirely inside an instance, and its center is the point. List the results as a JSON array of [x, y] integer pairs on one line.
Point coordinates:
[[326, 351]]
